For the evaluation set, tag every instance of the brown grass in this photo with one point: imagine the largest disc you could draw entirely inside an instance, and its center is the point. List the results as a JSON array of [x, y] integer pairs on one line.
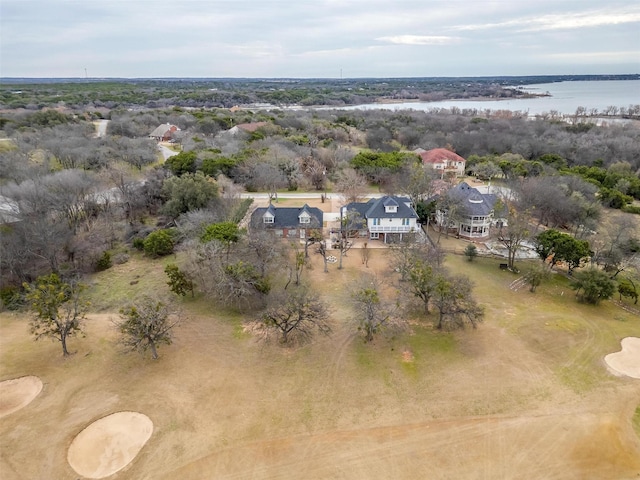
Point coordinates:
[[526, 395]]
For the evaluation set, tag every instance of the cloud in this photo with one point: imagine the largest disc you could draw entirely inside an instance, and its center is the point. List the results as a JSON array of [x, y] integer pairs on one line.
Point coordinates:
[[563, 21], [616, 56], [419, 40], [43, 38]]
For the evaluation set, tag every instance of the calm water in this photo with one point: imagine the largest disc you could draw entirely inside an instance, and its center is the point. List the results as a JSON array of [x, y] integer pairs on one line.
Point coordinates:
[[565, 98]]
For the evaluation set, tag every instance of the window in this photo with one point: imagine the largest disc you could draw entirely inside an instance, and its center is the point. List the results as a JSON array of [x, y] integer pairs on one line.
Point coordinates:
[[374, 235], [391, 209], [305, 219], [376, 221], [267, 219], [405, 221]]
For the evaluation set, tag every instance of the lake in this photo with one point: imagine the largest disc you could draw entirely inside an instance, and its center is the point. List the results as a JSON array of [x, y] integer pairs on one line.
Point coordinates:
[[565, 98]]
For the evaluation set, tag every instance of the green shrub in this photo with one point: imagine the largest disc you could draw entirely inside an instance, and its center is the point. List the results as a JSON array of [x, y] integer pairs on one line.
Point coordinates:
[[179, 282], [631, 209], [104, 262], [11, 298], [471, 252], [159, 243], [138, 243]]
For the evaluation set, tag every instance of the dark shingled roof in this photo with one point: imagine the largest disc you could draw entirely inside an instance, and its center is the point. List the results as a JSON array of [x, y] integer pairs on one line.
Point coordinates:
[[375, 208], [475, 203], [287, 217]]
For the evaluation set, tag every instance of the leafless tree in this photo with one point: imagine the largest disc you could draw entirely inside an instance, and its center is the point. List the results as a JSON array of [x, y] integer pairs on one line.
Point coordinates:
[[351, 185], [373, 312], [147, 324], [454, 302], [416, 181], [514, 233], [296, 314], [365, 254], [269, 177]]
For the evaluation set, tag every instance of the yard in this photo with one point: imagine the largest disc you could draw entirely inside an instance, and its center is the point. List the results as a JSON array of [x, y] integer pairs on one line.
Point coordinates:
[[526, 395]]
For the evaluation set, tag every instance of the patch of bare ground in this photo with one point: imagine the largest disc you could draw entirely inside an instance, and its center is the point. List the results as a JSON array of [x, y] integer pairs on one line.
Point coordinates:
[[526, 395]]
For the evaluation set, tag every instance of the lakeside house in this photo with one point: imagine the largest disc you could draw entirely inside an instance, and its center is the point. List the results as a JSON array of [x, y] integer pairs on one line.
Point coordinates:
[[475, 213], [443, 161], [388, 218]]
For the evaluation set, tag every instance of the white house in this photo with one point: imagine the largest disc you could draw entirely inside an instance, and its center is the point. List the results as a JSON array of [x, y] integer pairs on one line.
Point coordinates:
[[475, 214], [388, 217]]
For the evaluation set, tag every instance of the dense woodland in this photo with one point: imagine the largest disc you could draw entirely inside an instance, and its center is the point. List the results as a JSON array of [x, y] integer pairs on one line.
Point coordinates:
[[74, 202], [34, 94]]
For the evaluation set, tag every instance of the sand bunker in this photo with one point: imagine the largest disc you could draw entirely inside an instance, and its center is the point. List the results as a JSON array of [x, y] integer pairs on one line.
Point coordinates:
[[626, 361], [18, 393], [109, 444]]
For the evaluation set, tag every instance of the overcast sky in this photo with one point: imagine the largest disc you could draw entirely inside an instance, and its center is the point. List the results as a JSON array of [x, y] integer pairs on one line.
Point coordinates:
[[318, 38]]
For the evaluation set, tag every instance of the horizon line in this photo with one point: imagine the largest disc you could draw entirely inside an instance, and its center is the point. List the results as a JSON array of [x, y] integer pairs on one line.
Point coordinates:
[[80, 78]]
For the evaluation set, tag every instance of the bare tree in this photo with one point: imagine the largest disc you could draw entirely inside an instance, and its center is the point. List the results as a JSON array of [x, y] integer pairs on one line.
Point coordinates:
[[365, 253], [146, 325], [351, 185], [451, 209], [514, 233], [269, 177], [296, 314], [454, 302], [615, 248], [372, 311], [416, 181], [538, 273]]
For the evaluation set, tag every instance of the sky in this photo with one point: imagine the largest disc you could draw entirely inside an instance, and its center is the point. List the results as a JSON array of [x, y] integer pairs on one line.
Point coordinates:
[[317, 38]]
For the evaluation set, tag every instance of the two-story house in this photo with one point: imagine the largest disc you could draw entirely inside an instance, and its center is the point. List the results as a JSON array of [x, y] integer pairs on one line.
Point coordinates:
[[474, 212], [388, 217], [442, 161], [288, 222]]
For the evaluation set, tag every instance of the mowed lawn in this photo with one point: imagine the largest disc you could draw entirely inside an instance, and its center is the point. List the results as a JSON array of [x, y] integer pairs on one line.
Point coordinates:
[[526, 395]]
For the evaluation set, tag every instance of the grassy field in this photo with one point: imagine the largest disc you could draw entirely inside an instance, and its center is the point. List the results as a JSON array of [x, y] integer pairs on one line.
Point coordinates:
[[526, 395]]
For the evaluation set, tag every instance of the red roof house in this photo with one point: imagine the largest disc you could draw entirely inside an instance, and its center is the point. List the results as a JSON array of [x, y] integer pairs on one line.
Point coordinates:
[[443, 160]]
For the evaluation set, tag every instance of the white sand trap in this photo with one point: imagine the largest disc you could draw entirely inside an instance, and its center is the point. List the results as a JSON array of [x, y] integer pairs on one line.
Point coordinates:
[[18, 393], [109, 444], [626, 361]]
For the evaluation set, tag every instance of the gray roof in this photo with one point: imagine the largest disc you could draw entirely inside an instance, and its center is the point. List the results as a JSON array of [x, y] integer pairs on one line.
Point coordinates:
[[287, 217], [475, 203], [375, 208]]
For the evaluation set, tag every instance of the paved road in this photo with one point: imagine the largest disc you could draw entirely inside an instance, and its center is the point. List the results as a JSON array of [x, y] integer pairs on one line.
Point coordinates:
[[265, 196], [101, 128]]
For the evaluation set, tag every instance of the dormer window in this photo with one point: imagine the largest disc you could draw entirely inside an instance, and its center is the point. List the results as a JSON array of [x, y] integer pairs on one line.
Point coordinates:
[[267, 218], [390, 206], [304, 218]]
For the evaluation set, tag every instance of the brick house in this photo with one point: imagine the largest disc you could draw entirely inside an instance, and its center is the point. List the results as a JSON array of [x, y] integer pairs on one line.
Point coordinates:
[[288, 222], [163, 133]]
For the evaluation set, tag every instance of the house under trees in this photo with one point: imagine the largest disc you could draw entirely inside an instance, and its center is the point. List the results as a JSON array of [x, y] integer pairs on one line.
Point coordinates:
[[288, 222], [474, 212], [443, 161], [386, 218]]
